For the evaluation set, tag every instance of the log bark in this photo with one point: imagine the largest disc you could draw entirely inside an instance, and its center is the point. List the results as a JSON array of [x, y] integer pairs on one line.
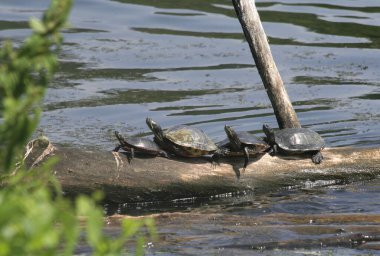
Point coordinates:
[[160, 179], [254, 33]]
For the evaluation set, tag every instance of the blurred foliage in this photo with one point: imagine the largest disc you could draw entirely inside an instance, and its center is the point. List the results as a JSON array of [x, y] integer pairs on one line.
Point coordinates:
[[35, 219], [32, 221], [24, 75]]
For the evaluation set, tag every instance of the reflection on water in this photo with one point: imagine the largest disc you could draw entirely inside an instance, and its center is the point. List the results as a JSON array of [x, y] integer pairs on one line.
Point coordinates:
[[320, 219], [188, 63], [160, 60]]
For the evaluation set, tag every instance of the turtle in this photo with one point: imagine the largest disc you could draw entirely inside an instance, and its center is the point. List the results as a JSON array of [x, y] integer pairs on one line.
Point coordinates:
[[183, 140], [242, 144], [142, 145], [295, 141]]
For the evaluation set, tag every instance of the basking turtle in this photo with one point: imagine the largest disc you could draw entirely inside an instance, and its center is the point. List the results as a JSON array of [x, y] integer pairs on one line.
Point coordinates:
[[183, 140], [141, 145], [242, 144], [295, 141]]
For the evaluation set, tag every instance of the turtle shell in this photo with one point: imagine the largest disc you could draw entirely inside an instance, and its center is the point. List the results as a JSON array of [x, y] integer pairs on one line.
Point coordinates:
[[140, 144], [143, 144], [249, 139], [299, 140], [192, 141], [255, 143], [224, 143]]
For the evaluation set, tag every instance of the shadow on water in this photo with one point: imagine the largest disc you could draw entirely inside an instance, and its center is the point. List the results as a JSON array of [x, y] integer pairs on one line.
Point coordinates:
[[134, 96], [188, 63]]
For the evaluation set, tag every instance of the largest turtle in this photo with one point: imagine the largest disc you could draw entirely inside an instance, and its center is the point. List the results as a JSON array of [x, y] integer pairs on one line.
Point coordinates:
[[183, 140], [295, 141]]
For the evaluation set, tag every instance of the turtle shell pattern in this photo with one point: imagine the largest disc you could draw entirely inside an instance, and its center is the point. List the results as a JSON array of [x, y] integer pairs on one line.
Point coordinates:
[[249, 139], [191, 141], [299, 140]]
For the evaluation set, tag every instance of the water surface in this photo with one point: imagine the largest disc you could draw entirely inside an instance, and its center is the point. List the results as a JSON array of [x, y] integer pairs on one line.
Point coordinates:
[[186, 62]]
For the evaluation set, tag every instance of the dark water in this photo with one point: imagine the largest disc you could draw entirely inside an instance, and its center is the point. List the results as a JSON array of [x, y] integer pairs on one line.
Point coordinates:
[[186, 62]]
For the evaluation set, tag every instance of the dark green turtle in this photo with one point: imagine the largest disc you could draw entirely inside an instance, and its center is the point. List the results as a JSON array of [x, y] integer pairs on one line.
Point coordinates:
[[141, 145], [295, 141], [183, 140], [242, 144]]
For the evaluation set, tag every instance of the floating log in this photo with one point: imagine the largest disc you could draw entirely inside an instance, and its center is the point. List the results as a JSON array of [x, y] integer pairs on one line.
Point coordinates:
[[249, 18], [160, 179]]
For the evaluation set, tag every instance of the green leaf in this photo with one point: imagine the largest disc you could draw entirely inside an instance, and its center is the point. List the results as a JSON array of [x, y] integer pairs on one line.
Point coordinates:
[[37, 26]]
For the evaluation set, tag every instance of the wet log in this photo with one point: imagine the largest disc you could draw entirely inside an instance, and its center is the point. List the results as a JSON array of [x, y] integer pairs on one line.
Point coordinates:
[[258, 43], [160, 179]]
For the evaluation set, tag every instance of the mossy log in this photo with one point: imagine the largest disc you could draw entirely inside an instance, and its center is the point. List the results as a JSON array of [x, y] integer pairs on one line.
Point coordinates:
[[160, 179]]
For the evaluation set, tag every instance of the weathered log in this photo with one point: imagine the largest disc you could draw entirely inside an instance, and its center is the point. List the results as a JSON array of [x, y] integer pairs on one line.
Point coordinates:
[[254, 33], [159, 179]]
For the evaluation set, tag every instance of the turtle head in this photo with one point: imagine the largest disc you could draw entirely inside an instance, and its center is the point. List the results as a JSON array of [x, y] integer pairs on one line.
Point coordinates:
[[120, 138], [269, 132], [156, 129], [233, 138]]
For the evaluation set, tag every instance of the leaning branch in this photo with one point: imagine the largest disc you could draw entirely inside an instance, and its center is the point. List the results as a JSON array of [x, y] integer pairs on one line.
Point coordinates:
[[254, 33]]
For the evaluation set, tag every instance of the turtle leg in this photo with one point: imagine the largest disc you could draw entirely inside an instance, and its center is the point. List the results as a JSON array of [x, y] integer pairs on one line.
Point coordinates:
[[215, 159], [273, 150], [177, 151], [163, 154], [317, 157], [246, 158], [131, 155], [117, 148]]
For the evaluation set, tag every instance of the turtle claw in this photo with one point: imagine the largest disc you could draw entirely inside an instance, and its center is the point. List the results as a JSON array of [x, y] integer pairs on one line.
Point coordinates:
[[273, 150], [215, 160], [129, 157], [214, 164], [246, 158], [317, 158], [117, 148], [164, 154]]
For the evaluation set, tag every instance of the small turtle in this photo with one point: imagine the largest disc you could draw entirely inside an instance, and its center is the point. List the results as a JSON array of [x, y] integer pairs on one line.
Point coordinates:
[[141, 145], [295, 141], [183, 140], [242, 144]]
